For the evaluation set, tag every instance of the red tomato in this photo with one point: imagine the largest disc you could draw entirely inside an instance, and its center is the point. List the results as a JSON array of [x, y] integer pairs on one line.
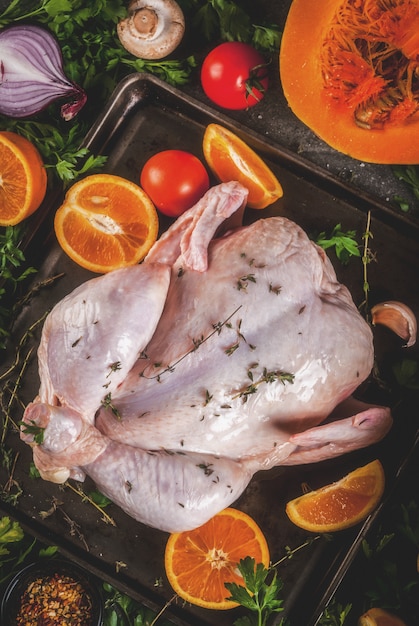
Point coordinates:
[[175, 180], [234, 76]]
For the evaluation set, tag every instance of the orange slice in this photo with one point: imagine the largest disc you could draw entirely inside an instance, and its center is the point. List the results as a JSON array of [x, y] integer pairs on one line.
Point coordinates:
[[341, 504], [106, 222], [198, 562], [23, 178], [230, 158], [379, 617]]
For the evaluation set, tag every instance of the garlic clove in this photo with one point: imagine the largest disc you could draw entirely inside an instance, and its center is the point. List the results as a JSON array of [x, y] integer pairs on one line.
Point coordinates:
[[376, 616], [153, 28], [398, 317]]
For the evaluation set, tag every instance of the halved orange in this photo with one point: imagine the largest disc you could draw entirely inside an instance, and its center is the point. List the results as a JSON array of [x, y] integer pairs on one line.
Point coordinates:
[[379, 617], [106, 222], [23, 178], [198, 562], [230, 158], [341, 504]]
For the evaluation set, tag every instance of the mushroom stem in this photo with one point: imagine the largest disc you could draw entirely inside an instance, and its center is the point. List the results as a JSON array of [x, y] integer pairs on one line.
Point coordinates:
[[145, 21], [398, 317], [153, 28]]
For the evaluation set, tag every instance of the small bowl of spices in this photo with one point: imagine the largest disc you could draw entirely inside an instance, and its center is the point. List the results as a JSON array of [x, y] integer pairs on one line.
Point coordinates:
[[52, 593]]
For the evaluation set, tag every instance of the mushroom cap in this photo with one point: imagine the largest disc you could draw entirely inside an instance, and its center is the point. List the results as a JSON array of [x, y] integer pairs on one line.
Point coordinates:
[[153, 28]]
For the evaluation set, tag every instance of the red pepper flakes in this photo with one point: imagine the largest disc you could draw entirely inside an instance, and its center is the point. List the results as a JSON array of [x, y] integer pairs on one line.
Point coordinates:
[[55, 600]]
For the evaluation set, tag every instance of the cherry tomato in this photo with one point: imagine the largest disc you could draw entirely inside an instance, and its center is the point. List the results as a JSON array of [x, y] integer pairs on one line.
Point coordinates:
[[175, 180], [234, 76]]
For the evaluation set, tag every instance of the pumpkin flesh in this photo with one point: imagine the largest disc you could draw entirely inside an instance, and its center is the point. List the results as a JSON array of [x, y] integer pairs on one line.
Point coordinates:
[[350, 71]]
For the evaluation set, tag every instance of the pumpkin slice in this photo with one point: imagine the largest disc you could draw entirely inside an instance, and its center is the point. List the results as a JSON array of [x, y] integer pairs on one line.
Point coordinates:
[[354, 80]]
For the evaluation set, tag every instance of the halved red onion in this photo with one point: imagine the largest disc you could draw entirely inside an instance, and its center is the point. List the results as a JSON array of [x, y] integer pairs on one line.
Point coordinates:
[[32, 75]]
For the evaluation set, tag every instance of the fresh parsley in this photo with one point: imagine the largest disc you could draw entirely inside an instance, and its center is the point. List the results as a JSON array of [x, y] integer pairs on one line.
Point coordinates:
[[335, 614], [12, 272], [99, 499], [14, 547], [121, 610], [227, 20], [59, 146], [33, 429], [344, 243], [260, 593], [232, 21], [406, 373], [408, 174], [10, 532]]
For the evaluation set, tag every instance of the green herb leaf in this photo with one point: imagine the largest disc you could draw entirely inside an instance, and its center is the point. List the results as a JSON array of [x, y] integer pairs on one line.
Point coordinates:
[[409, 174], [48, 552], [10, 531], [335, 614], [407, 373], [260, 591], [33, 429], [226, 20], [98, 498], [344, 243], [33, 471]]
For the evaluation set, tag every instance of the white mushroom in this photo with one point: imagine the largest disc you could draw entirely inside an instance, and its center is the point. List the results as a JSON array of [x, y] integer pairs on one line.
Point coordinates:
[[398, 317], [153, 28]]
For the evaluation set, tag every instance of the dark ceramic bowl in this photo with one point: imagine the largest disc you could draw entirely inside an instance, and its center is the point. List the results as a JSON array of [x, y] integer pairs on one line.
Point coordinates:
[[12, 599]]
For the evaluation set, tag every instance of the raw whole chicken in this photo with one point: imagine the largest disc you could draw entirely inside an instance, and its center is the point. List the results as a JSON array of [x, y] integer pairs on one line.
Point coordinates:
[[172, 382]]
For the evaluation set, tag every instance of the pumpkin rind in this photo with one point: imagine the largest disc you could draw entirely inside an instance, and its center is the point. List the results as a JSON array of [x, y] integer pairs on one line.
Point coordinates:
[[302, 83]]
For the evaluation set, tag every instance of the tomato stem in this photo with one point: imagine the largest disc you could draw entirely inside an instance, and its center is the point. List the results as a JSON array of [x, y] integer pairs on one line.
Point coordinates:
[[257, 74]]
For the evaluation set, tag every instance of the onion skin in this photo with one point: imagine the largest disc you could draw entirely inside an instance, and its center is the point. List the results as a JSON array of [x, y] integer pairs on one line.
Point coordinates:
[[32, 75]]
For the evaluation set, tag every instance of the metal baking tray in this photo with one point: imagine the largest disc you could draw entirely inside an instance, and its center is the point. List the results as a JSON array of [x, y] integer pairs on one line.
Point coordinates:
[[143, 116]]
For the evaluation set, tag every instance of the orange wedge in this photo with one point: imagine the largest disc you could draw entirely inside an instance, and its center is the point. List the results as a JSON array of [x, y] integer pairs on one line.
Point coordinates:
[[23, 178], [341, 504], [230, 158], [198, 562], [379, 617], [106, 222]]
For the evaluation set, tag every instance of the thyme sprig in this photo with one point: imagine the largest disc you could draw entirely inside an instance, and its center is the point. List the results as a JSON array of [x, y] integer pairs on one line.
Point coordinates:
[[217, 328], [367, 257], [18, 354], [11, 490], [268, 377], [9, 390], [93, 500], [75, 528], [240, 338], [243, 281], [107, 403]]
